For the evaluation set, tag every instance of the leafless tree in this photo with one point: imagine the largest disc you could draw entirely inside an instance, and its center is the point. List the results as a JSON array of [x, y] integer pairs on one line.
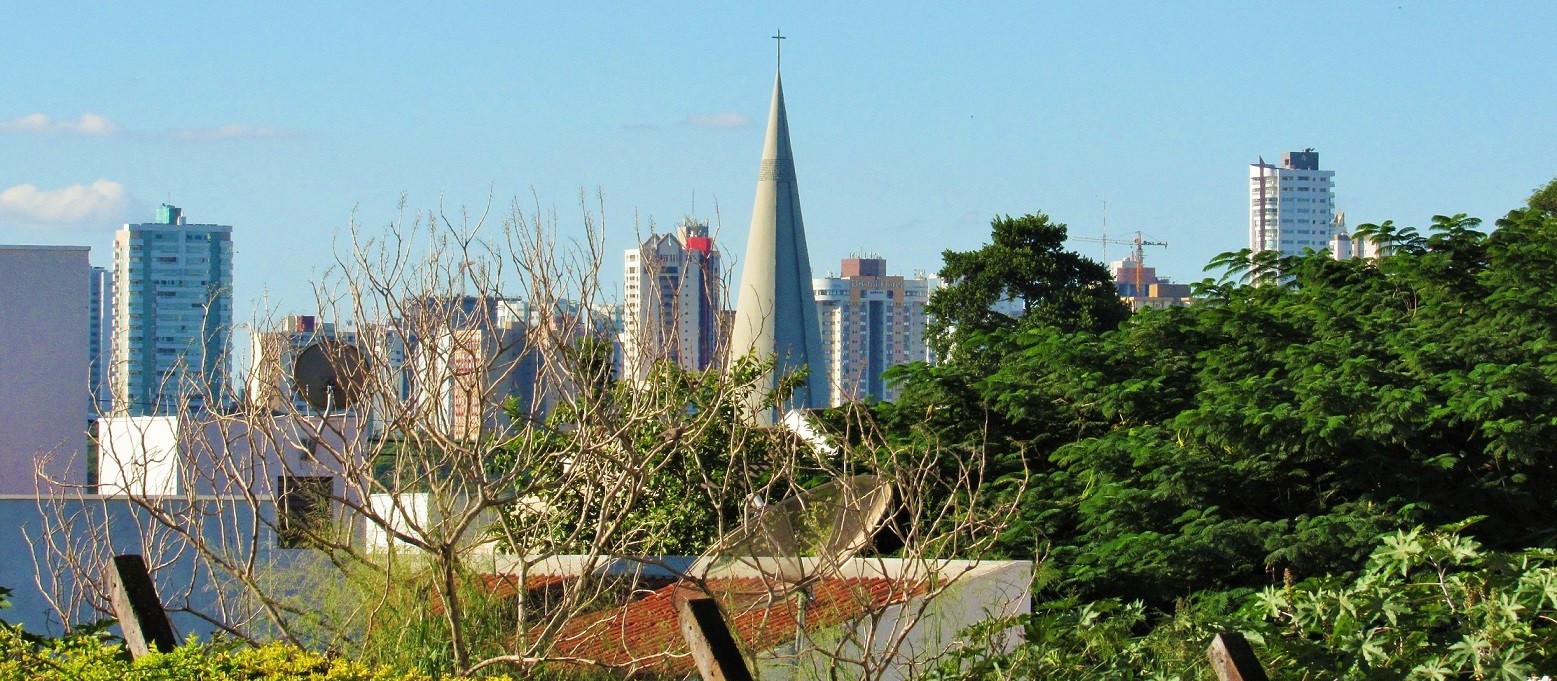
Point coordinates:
[[459, 438]]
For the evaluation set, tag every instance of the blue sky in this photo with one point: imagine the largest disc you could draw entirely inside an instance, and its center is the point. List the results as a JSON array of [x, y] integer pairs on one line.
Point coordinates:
[[913, 124]]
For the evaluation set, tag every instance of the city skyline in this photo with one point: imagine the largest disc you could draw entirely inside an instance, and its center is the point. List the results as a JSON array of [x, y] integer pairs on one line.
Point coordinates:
[[916, 128]]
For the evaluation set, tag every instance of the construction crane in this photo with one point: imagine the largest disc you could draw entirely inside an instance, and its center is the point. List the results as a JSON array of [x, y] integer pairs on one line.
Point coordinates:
[[1138, 248]]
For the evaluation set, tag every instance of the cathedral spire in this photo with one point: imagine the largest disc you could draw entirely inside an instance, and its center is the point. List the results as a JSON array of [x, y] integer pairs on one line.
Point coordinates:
[[775, 312]]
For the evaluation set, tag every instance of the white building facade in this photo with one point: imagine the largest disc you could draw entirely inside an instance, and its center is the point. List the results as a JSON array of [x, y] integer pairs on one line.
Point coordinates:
[[43, 365], [870, 322], [172, 314], [1291, 207], [673, 296]]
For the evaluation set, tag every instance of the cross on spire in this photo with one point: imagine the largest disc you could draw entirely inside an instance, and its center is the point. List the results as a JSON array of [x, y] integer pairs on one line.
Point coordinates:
[[778, 38]]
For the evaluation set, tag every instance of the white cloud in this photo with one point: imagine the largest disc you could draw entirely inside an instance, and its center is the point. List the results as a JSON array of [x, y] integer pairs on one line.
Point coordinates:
[[87, 124], [723, 119], [229, 132], [91, 124], [101, 203]]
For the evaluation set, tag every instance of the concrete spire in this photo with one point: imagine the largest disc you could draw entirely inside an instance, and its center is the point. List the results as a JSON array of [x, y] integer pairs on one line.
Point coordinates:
[[775, 312]]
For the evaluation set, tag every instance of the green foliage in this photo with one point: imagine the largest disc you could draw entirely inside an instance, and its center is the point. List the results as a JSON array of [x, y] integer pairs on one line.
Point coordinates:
[[1428, 605], [96, 658], [1271, 431], [1545, 198], [699, 459], [406, 628], [1067, 640], [1025, 264]]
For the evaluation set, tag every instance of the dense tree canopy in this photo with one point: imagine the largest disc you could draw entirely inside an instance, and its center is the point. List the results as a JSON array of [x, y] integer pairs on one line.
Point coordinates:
[[1270, 432]]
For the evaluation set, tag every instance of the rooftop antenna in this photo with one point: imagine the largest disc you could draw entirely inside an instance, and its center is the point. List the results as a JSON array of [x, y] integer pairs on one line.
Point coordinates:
[[1105, 231]]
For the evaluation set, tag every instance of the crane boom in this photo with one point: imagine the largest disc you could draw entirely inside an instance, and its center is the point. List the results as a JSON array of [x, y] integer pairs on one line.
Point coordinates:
[[1137, 245]]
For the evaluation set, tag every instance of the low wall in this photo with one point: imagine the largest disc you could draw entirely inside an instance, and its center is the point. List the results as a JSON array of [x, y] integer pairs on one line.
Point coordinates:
[[84, 532], [53, 543]]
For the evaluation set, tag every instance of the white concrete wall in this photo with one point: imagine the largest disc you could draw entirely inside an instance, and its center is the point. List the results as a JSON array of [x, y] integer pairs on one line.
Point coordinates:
[[138, 455], [43, 364], [407, 514], [202, 455], [908, 639]]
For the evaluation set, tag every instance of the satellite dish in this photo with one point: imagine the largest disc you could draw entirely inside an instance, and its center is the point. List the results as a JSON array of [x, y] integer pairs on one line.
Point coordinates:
[[330, 375], [802, 538]]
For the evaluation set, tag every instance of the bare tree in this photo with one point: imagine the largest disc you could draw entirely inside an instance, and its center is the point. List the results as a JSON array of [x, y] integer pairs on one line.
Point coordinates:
[[465, 441]]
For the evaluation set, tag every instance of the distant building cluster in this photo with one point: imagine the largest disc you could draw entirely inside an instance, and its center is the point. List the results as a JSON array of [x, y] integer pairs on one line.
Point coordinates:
[[1292, 210], [157, 339], [1140, 286]]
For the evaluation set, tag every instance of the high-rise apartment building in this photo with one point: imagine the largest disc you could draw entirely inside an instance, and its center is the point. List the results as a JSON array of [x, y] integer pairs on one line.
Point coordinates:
[[673, 299], [870, 321], [100, 341], [1291, 207], [172, 314]]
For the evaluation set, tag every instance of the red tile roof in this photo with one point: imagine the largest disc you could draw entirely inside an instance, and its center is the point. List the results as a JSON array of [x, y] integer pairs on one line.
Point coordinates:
[[502, 586], [644, 635]]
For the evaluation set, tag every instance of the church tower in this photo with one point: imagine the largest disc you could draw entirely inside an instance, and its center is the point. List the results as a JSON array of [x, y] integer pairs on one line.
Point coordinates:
[[775, 311]]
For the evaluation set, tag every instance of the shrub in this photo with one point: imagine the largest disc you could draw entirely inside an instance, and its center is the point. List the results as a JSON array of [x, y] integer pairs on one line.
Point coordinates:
[[1429, 605], [96, 657]]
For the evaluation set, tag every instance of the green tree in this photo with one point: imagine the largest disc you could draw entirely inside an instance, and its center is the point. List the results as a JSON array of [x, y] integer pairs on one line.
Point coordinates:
[[1044, 289], [1545, 198], [1024, 264], [1271, 431]]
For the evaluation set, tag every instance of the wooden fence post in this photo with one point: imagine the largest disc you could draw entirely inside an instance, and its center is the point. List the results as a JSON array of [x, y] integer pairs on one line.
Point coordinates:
[[713, 647], [135, 602], [1233, 659]]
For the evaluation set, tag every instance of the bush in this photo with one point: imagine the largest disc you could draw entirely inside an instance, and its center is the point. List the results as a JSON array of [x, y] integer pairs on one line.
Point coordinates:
[[95, 657], [1429, 605]]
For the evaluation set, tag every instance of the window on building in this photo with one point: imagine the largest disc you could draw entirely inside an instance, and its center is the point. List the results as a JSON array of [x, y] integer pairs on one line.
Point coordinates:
[[302, 509]]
